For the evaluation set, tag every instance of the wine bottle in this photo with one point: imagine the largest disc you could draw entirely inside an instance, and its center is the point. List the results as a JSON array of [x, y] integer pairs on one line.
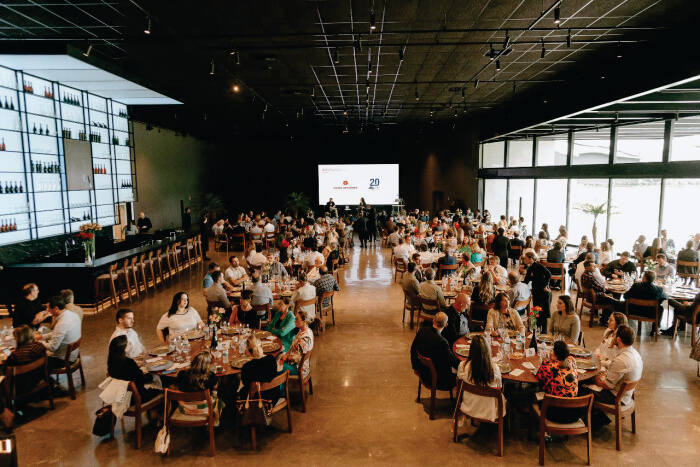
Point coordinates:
[[38, 167], [34, 128], [1, 192], [214, 340], [12, 104], [47, 130], [15, 189], [14, 227], [6, 105], [21, 187], [2, 146], [2, 227], [7, 190]]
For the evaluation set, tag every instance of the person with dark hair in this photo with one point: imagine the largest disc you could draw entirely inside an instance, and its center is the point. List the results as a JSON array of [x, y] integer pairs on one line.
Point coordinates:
[[180, 317], [607, 350], [410, 284], [125, 327], [119, 366], [282, 323], [362, 230], [539, 277], [646, 290], [619, 267], [545, 230], [500, 247], [261, 292], [302, 343], [28, 309], [243, 313], [207, 281], [430, 343], [66, 330], [429, 289], [372, 224], [565, 321], [688, 254], [502, 315], [559, 377], [27, 351], [216, 292], [187, 219], [235, 274], [480, 370]]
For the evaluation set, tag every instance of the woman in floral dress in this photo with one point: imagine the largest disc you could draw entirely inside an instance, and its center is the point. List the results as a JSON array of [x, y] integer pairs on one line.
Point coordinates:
[[303, 343]]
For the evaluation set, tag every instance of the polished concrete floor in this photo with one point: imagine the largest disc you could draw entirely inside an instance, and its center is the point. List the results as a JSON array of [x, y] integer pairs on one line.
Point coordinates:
[[363, 409]]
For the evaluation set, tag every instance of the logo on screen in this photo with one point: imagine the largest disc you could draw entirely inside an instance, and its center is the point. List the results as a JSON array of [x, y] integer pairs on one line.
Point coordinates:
[[373, 183], [345, 182]]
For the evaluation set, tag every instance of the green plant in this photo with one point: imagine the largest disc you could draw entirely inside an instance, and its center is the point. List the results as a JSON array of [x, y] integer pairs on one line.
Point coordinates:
[[209, 203], [296, 202], [595, 210]]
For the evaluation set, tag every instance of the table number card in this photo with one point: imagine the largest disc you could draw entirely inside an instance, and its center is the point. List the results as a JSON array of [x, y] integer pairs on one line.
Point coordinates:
[[529, 352]]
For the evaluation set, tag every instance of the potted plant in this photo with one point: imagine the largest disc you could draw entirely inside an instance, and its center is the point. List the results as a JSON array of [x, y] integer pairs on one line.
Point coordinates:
[[595, 210], [212, 204], [296, 202]]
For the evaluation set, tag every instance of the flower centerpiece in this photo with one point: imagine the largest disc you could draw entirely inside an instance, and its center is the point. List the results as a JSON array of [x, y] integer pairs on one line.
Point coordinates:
[[532, 316], [215, 317], [87, 236], [650, 264]]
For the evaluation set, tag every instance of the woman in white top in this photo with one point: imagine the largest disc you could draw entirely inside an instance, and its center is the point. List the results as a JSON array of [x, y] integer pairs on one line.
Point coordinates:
[[606, 254], [606, 351], [480, 370], [179, 318]]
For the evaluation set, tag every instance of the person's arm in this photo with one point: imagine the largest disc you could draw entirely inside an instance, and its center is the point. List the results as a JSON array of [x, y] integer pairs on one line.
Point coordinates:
[[287, 326], [490, 318], [610, 269], [575, 328], [223, 299], [441, 299], [57, 335], [550, 326]]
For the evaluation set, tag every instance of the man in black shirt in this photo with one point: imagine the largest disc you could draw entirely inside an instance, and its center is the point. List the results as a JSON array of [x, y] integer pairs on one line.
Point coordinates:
[[620, 266], [187, 220], [143, 223], [29, 310], [430, 344]]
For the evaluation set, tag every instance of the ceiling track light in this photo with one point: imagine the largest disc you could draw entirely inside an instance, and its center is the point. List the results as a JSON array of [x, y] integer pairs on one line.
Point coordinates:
[[88, 51], [417, 96], [476, 83], [492, 54], [336, 56], [557, 14], [401, 52], [147, 29], [372, 22], [506, 42], [455, 113], [369, 68], [498, 65], [212, 71], [464, 94], [544, 51], [236, 88], [357, 43], [568, 39], [345, 111], [619, 50]]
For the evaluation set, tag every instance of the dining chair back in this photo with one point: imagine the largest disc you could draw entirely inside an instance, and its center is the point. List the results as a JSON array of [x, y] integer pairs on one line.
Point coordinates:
[[221, 242], [400, 267], [523, 304], [106, 286], [446, 267], [264, 319], [478, 313], [137, 409], [579, 427], [323, 310], [652, 308], [173, 417], [621, 411], [558, 272], [427, 315], [590, 301], [432, 384], [71, 367], [301, 381], [411, 306], [694, 322], [277, 382], [481, 391], [13, 372], [689, 264]]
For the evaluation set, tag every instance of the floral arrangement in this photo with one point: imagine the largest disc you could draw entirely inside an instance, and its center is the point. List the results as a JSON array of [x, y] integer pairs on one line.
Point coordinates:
[[214, 318], [532, 316], [84, 236], [90, 226], [650, 264]]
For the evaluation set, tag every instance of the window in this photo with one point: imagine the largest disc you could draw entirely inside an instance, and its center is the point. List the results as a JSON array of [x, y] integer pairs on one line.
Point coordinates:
[[685, 145], [551, 205], [586, 191], [680, 217], [492, 155], [520, 198], [640, 143], [520, 153], [591, 147], [636, 202], [495, 197], [552, 150]]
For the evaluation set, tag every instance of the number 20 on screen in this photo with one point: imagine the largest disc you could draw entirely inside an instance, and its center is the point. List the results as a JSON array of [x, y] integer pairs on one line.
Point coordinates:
[[373, 183]]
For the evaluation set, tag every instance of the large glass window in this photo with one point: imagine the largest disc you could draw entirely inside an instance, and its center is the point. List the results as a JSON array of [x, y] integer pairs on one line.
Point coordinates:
[[492, 155], [636, 204], [591, 147], [640, 143], [520, 198], [495, 197], [680, 211], [552, 150], [685, 144], [586, 191], [520, 153], [551, 205]]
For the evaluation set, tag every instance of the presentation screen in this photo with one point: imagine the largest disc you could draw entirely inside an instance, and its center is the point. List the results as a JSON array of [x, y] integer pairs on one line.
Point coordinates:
[[378, 184]]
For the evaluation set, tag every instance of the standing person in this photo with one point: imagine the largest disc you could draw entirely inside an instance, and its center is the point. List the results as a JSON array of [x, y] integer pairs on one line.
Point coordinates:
[[538, 277], [187, 219], [28, 309], [372, 224], [204, 231], [500, 247], [125, 327], [143, 223], [362, 232]]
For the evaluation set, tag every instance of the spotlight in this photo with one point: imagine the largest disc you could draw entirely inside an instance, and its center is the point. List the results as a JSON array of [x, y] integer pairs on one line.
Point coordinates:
[[213, 67], [236, 88], [498, 65], [506, 42], [492, 54], [369, 68], [455, 113], [568, 39], [417, 96], [619, 50], [544, 51], [476, 83], [345, 111], [336, 56], [464, 94], [557, 14], [147, 29], [372, 22], [401, 51], [87, 52]]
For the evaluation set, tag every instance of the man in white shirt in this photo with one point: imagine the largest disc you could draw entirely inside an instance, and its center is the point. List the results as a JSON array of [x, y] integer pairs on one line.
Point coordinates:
[[125, 327], [269, 227], [498, 272], [261, 293], [256, 259], [70, 305], [305, 291], [400, 251], [639, 247], [66, 331], [426, 257], [518, 292], [235, 274], [255, 229], [313, 259], [581, 268], [429, 289], [394, 237]]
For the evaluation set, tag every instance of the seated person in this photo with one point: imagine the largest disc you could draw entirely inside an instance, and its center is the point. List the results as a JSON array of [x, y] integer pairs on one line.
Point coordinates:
[[581, 268], [305, 291], [688, 254], [686, 309], [302, 343], [67, 329], [498, 272], [426, 257], [235, 274], [261, 293], [619, 267], [565, 321], [261, 369], [429, 343], [429, 289], [457, 320], [207, 280], [555, 256], [179, 318], [448, 260], [480, 370], [559, 377], [256, 258], [282, 323], [483, 294], [589, 249], [27, 351], [69, 298], [410, 284], [200, 376], [501, 315], [216, 292], [29, 310], [653, 251], [277, 269], [663, 269], [518, 292], [313, 259], [119, 366], [607, 350], [639, 247], [125, 327], [243, 313], [646, 290]]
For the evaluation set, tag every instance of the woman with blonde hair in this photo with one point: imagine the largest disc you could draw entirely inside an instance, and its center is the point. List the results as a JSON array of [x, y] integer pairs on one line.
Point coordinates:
[[606, 351], [262, 369], [200, 377]]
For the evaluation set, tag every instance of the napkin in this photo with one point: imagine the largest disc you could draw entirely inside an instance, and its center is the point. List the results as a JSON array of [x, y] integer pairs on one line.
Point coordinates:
[[270, 338], [459, 346], [517, 372], [582, 372], [528, 365], [151, 360], [593, 387]]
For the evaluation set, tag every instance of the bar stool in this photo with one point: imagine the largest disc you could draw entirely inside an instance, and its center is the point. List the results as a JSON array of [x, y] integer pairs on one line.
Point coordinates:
[[198, 244], [174, 252], [191, 253], [140, 269], [151, 270], [160, 257], [134, 275], [127, 281], [105, 286]]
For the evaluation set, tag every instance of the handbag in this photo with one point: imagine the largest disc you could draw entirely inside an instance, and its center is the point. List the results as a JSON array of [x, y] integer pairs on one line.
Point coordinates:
[[163, 438], [256, 411], [104, 421]]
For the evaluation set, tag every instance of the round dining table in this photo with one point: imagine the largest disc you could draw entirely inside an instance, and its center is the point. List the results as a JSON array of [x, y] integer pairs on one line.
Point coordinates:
[[527, 375]]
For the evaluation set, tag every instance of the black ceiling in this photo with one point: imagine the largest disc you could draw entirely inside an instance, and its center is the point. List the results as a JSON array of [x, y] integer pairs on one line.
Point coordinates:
[[285, 52]]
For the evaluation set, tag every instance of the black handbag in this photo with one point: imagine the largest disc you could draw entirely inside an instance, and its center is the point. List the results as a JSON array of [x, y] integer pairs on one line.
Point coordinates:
[[104, 421], [254, 412]]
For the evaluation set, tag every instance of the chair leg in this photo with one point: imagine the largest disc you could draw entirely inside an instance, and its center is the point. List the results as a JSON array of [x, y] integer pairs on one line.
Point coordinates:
[[111, 426], [82, 375], [303, 395], [589, 441], [500, 438], [541, 446], [418, 398], [138, 430], [212, 447], [71, 384], [618, 432], [433, 397], [634, 422], [253, 443], [289, 416], [456, 425], [311, 386]]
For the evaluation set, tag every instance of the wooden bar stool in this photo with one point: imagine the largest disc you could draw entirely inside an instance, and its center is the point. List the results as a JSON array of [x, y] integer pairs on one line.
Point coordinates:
[[134, 275], [127, 270], [152, 270], [106, 286], [198, 245]]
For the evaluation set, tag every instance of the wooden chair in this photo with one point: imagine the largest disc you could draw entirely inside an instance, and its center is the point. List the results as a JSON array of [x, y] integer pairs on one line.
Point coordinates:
[[561, 277], [400, 267], [164, 273], [494, 393], [12, 372], [256, 237], [579, 427], [579, 292], [152, 270], [270, 238], [301, 381], [197, 241], [136, 410], [408, 305], [282, 379], [221, 241], [424, 315], [621, 411], [266, 308], [128, 281], [445, 267], [650, 304], [109, 282], [432, 386], [519, 304], [173, 417], [589, 301], [694, 277], [677, 318], [237, 239], [71, 367], [178, 252], [514, 252], [473, 322], [190, 251], [212, 306], [323, 311], [139, 267]]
